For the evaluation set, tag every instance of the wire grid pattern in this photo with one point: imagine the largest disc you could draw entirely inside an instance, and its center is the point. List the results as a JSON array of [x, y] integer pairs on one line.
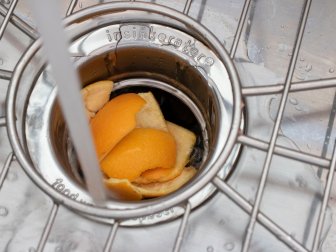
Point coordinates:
[[256, 216]]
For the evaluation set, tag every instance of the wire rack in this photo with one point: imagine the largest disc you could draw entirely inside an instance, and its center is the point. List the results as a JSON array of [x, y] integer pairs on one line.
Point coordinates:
[[269, 147]]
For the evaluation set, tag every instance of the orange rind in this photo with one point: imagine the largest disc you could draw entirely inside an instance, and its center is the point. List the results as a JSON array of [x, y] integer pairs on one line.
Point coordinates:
[[140, 150], [141, 154], [114, 121], [124, 189], [163, 188], [150, 116], [96, 95], [185, 141]]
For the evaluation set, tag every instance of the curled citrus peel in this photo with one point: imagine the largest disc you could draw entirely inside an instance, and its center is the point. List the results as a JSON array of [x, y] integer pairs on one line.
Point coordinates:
[[140, 153], [163, 188], [123, 189], [96, 95], [131, 191], [140, 150], [185, 141], [114, 121], [150, 116]]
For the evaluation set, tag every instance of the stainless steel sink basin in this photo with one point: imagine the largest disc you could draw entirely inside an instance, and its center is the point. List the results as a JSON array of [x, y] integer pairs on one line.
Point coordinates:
[[282, 171]]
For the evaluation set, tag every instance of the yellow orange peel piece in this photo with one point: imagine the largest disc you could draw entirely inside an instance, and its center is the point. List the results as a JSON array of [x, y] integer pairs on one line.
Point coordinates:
[[185, 141], [122, 189], [140, 150], [130, 191], [142, 155], [114, 121], [163, 188], [96, 95], [150, 116]]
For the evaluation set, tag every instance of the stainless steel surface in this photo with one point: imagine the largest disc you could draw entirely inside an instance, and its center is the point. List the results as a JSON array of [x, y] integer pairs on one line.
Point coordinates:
[[264, 220], [324, 206], [275, 130], [49, 20], [7, 17], [239, 31], [47, 228], [203, 72], [293, 205], [111, 236], [6, 75], [5, 169], [19, 23], [295, 87], [183, 225]]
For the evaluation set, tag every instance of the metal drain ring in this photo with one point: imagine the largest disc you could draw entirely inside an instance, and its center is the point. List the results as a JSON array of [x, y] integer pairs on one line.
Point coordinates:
[[149, 207]]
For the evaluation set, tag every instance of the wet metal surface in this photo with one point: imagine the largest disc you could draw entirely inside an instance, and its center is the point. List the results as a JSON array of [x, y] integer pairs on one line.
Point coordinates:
[[294, 190]]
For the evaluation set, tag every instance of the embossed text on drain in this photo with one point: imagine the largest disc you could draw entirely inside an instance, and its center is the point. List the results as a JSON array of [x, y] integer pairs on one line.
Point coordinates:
[[136, 32], [59, 186]]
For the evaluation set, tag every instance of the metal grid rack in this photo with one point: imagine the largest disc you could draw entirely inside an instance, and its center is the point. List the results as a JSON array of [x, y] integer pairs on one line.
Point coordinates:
[[270, 148]]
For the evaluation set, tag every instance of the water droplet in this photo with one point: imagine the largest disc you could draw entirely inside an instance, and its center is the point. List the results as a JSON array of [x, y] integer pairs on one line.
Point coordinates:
[[229, 246], [1, 61], [58, 249], [268, 47], [80, 5], [73, 245], [282, 47], [300, 77], [331, 70], [282, 26], [5, 1], [3, 211], [210, 249], [290, 54], [309, 67], [221, 222], [302, 59], [293, 101], [69, 245], [31, 249], [298, 108], [301, 182], [11, 176]]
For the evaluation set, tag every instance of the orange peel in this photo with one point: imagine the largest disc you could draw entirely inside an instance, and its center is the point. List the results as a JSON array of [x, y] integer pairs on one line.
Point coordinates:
[[124, 189], [140, 150], [163, 188], [185, 141], [96, 95], [143, 155], [114, 121], [150, 116]]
